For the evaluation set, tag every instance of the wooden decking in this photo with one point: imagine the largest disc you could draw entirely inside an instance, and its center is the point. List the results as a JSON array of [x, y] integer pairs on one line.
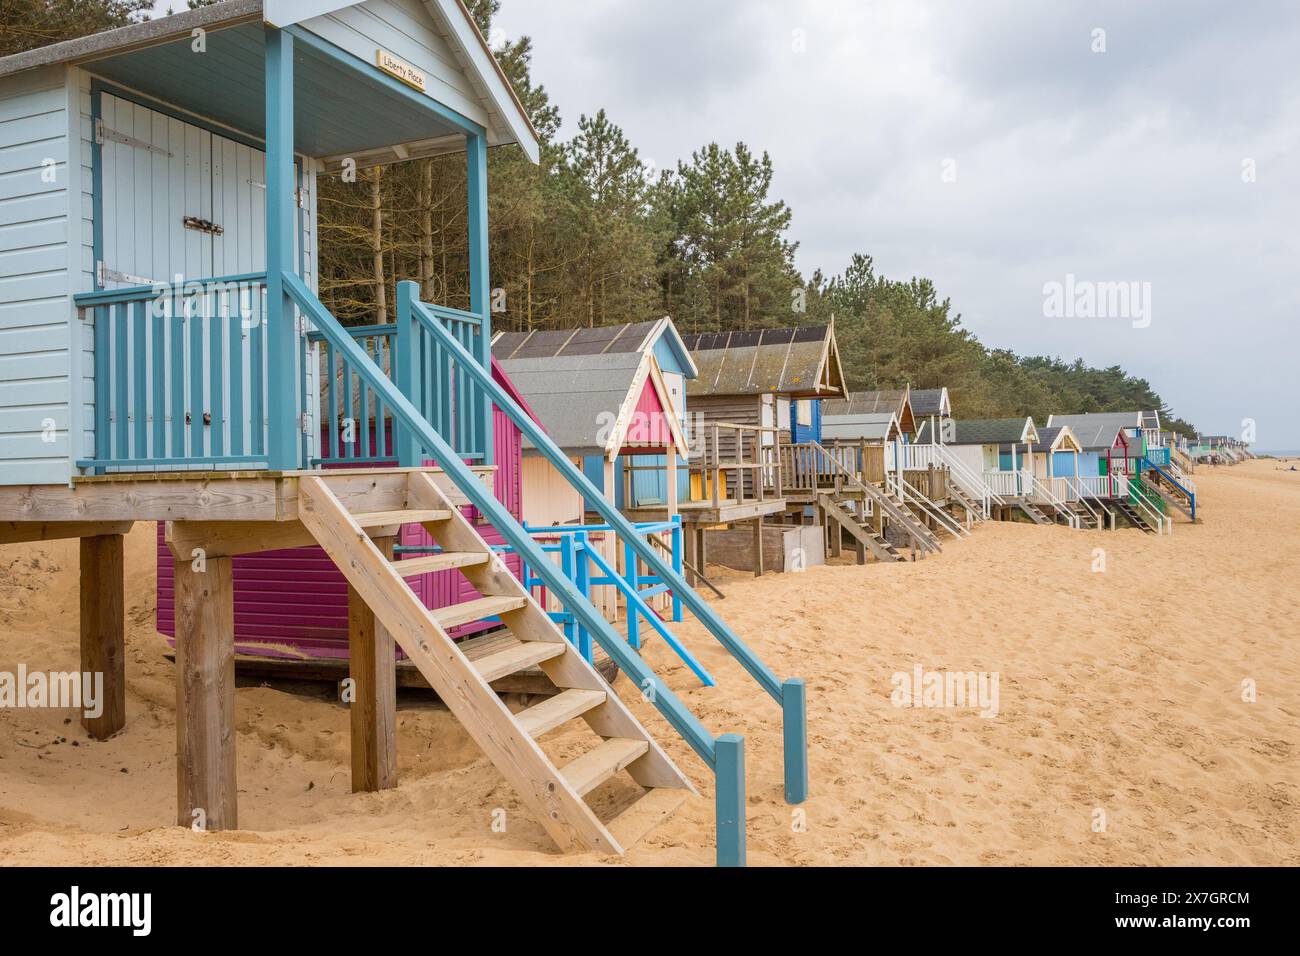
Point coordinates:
[[246, 497], [706, 513]]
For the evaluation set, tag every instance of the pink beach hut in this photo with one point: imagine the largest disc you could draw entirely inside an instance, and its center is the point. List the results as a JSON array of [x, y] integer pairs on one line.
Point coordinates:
[[293, 604]]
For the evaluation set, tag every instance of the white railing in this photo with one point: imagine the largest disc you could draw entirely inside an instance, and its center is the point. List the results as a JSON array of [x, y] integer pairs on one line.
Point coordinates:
[[1005, 484], [1043, 491], [921, 457], [1077, 493], [908, 493], [1104, 486]]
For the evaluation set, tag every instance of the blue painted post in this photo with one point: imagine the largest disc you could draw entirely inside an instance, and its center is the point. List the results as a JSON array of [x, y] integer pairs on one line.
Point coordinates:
[[630, 576], [281, 337], [676, 541], [794, 722], [406, 369], [566, 565], [729, 799], [582, 578], [480, 280]]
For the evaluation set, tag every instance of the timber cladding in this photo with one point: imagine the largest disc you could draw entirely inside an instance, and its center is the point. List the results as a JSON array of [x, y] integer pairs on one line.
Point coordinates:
[[785, 547]]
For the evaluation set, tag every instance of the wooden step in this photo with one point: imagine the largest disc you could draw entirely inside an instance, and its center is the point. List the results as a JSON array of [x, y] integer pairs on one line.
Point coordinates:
[[478, 609], [518, 658], [371, 519], [441, 562], [651, 808], [560, 709], [596, 766]]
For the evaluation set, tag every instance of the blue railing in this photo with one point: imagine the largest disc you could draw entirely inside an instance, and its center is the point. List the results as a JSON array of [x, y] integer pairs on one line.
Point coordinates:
[[354, 421], [1191, 495], [579, 551], [724, 755], [180, 374]]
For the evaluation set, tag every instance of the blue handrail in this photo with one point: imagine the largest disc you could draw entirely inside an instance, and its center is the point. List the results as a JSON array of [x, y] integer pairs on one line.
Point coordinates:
[[1191, 495], [722, 755], [790, 694]]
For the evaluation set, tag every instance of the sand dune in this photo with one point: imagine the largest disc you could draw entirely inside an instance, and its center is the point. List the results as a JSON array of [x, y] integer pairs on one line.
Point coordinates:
[[1119, 691]]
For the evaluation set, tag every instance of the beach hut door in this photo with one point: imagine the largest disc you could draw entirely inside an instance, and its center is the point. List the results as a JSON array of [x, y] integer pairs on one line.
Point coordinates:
[[179, 202]]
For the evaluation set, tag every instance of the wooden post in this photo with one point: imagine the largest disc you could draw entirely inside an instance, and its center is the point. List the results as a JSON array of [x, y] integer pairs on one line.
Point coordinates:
[[758, 547], [205, 693], [372, 665], [103, 630]]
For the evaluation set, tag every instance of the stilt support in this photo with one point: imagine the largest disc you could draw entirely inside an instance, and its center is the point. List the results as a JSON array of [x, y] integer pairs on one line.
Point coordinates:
[[103, 632], [205, 694], [372, 697]]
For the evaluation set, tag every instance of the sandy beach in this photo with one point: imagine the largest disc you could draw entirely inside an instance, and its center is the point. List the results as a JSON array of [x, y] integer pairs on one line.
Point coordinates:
[[1120, 691]]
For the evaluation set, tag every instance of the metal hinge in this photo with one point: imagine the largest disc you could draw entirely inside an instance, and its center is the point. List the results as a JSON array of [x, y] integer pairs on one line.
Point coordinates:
[[299, 194], [106, 134], [103, 275]]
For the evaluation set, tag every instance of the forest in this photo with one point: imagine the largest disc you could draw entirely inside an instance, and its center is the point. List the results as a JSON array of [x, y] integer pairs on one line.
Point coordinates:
[[593, 235]]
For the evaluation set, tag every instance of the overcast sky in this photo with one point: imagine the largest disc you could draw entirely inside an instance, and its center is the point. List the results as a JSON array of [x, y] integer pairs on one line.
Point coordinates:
[[990, 147]]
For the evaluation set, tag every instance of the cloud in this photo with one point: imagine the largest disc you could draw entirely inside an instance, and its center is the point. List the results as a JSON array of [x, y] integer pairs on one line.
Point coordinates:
[[1122, 165]]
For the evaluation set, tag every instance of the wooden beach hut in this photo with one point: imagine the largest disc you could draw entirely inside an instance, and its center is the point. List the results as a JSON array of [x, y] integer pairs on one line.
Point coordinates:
[[164, 356], [744, 407], [639, 475]]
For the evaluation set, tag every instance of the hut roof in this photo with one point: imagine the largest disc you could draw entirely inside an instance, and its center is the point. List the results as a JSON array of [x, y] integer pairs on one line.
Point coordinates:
[[1096, 431], [601, 340], [798, 363], [930, 401], [508, 121], [1057, 438], [993, 431], [585, 401]]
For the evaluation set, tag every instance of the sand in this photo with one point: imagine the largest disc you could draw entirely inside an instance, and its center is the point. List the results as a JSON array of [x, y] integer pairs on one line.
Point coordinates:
[[1118, 690]]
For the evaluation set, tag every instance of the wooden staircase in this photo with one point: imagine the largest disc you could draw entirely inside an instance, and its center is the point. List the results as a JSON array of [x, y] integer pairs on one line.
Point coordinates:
[[973, 511], [1034, 513], [510, 740], [1134, 515], [860, 529], [1087, 519]]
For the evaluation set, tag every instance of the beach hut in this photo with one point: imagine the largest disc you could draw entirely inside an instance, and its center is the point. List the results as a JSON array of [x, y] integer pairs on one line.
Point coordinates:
[[164, 356], [744, 407], [639, 478], [931, 407], [1111, 465], [601, 406]]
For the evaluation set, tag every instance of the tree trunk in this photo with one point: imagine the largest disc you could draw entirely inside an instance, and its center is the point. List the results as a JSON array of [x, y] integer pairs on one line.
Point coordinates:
[[377, 244]]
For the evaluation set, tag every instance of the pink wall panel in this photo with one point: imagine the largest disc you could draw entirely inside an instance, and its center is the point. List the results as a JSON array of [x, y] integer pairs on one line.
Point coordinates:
[[294, 603]]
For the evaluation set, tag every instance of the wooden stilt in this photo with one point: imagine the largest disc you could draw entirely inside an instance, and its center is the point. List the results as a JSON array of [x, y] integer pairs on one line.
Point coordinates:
[[205, 694], [758, 547], [103, 630], [372, 665]]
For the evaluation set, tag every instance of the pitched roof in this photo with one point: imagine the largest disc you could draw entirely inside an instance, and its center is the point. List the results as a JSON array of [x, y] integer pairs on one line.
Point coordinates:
[[868, 426], [1096, 431], [584, 401], [800, 363], [930, 401], [1053, 437], [600, 340], [892, 401], [992, 431], [508, 120]]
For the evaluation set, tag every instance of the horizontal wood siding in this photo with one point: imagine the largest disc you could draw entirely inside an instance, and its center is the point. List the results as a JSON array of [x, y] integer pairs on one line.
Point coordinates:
[[38, 242]]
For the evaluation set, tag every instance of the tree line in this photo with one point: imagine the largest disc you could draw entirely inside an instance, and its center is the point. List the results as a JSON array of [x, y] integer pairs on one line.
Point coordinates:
[[593, 235]]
